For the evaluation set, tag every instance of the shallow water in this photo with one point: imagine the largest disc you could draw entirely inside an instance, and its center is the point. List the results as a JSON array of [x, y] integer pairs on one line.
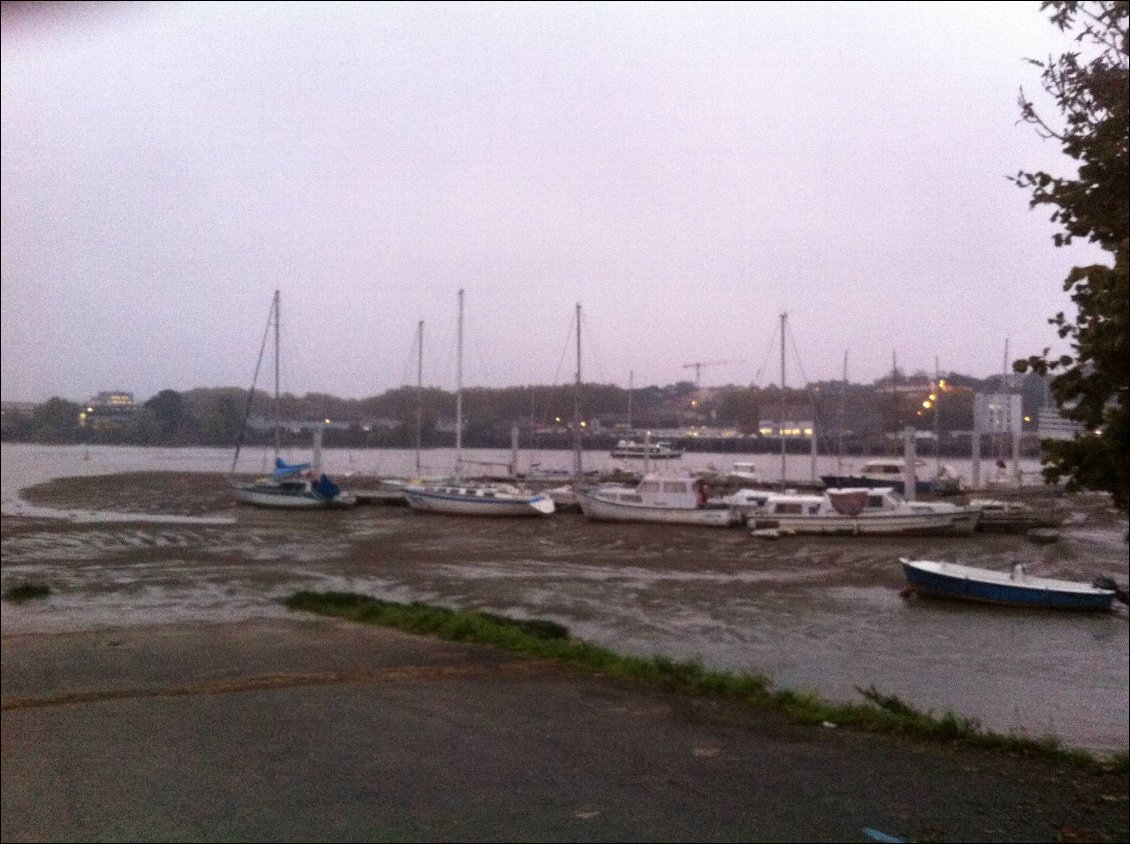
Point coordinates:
[[818, 613]]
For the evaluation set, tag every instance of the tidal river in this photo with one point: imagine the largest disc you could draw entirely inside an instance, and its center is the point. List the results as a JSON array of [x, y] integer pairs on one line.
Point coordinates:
[[825, 614]]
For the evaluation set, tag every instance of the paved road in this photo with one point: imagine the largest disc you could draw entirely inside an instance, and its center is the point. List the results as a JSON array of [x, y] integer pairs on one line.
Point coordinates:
[[307, 729]]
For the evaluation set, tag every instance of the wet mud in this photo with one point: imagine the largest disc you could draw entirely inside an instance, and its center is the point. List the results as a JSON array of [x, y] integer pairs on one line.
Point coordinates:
[[823, 613]]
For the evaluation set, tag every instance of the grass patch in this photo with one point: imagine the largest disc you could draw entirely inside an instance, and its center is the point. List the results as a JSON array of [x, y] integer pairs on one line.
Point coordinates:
[[548, 640], [26, 592]]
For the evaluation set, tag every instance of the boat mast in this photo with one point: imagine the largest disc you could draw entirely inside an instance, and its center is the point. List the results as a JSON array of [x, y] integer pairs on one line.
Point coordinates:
[[631, 379], [278, 403], [781, 422], [843, 402], [419, 389], [459, 393], [937, 391], [577, 467]]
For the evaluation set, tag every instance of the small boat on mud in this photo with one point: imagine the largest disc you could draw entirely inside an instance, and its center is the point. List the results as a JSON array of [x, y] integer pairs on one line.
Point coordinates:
[[661, 499], [294, 487], [859, 511], [469, 498], [1012, 588]]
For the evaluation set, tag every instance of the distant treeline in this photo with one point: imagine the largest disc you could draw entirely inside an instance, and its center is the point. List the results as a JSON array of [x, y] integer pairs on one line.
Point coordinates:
[[218, 416]]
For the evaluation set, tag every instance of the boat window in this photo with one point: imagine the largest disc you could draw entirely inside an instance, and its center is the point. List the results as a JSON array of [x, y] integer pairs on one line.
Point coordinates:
[[631, 498], [649, 486], [674, 486], [789, 508], [813, 509], [488, 494], [875, 501]]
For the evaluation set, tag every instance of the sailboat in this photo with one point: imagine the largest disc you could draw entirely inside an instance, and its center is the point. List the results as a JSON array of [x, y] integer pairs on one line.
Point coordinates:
[[462, 497], [290, 485]]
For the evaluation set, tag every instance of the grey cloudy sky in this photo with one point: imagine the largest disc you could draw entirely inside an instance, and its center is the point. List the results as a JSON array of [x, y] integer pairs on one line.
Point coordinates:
[[686, 172]]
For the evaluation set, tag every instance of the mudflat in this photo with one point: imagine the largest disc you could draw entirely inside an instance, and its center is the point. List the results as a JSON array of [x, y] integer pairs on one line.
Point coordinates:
[[138, 705]]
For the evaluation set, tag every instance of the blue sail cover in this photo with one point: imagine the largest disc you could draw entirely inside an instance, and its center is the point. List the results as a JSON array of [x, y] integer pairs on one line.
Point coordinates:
[[282, 468], [327, 488]]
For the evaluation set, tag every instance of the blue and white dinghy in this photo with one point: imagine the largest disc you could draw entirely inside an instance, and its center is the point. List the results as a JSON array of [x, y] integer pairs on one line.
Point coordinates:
[[1013, 588]]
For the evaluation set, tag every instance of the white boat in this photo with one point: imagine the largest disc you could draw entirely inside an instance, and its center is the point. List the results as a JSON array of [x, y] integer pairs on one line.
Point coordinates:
[[860, 511], [890, 472], [289, 486], [460, 497], [465, 498], [632, 450], [748, 502], [293, 487], [1011, 516], [746, 473], [658, 498]]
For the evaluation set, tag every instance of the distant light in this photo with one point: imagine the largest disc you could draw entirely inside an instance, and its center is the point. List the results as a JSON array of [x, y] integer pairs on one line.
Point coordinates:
[[927, 404], [327, 421], [584, 423], [1027, 418]]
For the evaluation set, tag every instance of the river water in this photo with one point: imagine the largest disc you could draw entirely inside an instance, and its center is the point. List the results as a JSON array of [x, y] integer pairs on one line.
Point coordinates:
[[825, 614]]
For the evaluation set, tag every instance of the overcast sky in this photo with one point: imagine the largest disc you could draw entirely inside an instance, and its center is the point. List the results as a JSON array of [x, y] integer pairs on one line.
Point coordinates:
[[685, 172]]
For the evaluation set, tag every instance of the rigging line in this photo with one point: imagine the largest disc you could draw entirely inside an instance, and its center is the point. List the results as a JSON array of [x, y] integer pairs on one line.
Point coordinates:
[[564, 349], [808, 389], [408, 371], [796, 354], [595, 355], [768, 354], [251, 392]]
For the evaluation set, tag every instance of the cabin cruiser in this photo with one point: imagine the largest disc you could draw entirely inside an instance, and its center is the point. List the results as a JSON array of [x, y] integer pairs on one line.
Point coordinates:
[[746, 473], [891, 471], [630, 449], [659, 498], [860, 510]]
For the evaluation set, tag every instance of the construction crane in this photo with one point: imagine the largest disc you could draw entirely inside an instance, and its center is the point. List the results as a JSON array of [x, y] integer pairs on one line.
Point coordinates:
[[699, 364]]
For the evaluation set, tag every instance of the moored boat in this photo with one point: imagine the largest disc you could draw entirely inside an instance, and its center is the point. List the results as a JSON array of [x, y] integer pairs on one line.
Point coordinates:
[[1013, 588], [290, 486], [293, 487], [466, 498], [632, 450], [859, 511], [891, 472], [658, 498]]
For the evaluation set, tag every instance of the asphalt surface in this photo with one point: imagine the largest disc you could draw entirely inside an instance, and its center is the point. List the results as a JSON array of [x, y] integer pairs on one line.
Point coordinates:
[[310, 729]]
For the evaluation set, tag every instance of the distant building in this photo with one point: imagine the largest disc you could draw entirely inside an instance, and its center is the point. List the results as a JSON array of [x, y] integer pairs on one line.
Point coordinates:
[[107, 409], [1053, 426], [998, 413], [793, 422]]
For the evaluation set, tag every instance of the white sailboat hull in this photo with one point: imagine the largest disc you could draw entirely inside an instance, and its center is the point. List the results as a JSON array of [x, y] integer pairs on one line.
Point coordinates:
[[433, 501], [601, 510], [265, 495], [863, 524]]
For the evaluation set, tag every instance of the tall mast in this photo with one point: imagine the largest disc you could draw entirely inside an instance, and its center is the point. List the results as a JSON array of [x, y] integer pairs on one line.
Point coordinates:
[[843, 402], [419, 390], [577, 467], [459, 393], [631, 378], [937, 391], [781, 423], [278, 402]]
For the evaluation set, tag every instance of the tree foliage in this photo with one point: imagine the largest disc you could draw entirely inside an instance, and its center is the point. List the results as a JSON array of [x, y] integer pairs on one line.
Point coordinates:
[[1089, 87]]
